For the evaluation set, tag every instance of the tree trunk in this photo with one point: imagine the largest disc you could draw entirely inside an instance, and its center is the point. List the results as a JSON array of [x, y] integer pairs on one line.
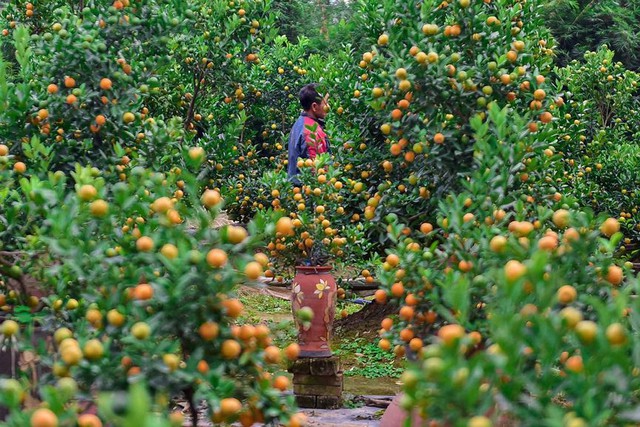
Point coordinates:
[[366, 320], [323, 15], [193, 406]]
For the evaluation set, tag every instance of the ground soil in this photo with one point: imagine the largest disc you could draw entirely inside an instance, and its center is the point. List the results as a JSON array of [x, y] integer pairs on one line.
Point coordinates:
[[365, 416]]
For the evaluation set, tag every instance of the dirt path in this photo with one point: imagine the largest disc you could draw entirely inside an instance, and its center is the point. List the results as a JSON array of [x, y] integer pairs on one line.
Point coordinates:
[[364, 416]]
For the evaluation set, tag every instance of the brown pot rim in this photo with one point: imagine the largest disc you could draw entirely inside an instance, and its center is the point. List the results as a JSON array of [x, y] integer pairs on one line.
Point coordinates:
[[313, 269]]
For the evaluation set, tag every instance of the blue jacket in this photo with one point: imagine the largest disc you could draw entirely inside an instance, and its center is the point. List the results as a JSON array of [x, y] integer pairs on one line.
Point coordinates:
[[305, 143]]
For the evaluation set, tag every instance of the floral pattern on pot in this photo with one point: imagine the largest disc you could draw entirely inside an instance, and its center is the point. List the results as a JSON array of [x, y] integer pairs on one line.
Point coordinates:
[[315, 288], [322, 288]]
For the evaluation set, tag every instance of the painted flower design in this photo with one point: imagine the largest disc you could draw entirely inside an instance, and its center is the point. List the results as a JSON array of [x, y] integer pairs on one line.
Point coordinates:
[[297, 293], [321, 288], [325, 343]]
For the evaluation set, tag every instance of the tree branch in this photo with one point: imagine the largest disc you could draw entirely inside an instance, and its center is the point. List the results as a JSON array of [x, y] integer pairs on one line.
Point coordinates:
[[20, 279], [197, 85]]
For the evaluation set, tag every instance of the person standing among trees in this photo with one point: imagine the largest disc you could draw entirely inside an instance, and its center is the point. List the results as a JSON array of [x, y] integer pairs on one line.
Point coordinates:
[[307, 138]]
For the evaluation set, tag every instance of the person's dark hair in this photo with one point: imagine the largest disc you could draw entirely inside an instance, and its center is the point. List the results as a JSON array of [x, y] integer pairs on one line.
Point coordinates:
[[308, 95]]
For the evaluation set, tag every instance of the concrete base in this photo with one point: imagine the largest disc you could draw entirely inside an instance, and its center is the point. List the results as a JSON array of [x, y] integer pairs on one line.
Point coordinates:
[[318, 382]]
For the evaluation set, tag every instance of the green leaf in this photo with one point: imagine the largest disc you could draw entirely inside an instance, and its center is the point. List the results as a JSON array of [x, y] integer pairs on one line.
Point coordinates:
[[138, 407], [23, 51], [22, 314]]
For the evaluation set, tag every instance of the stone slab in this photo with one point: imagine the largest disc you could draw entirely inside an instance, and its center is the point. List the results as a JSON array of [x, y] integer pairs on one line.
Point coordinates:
[[329, 402], [306, 401], [325, 366], [317, 390], [330, 380], [301, 366]]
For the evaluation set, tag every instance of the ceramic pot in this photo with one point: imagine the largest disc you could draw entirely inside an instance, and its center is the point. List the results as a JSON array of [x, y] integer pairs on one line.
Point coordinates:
[[395, 416], [314, 287]]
